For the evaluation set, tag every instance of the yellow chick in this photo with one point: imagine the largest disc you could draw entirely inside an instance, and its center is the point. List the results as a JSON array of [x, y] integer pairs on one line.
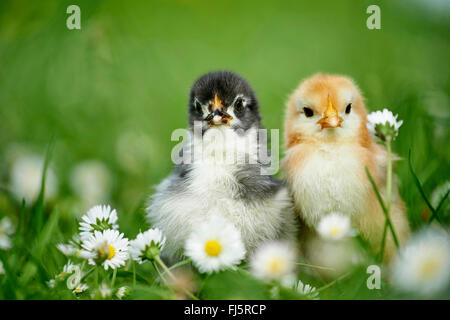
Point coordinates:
[[328, 147]]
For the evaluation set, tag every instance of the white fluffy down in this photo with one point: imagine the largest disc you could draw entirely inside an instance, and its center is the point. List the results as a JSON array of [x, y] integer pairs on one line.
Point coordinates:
[[331, 180], [213, 189]]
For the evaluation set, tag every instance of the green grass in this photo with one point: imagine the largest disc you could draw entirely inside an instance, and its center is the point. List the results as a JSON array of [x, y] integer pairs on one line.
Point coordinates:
[[129, 69]]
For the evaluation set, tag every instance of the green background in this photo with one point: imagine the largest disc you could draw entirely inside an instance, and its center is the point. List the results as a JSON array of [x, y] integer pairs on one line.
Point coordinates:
[[130, 67]]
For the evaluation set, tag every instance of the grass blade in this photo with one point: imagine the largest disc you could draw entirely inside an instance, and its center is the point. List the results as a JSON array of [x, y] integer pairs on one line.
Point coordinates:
[[386, 213], [375, 188], [39, 205], [422, 193], [440, 205]]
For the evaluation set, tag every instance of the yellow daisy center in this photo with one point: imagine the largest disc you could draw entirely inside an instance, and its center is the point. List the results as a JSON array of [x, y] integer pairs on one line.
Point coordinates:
[[213, 248], [275, 265], [335, 231], [111, 251], [428, 268]]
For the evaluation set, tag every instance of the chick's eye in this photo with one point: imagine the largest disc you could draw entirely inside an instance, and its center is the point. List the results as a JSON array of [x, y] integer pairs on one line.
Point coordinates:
[[198, 106], [238, 105], [348, 109], [308, 112]]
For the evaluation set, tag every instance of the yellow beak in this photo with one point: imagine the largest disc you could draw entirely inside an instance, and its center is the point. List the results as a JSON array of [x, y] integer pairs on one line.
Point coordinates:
[[216, 104], [220, 116], [330, 118]]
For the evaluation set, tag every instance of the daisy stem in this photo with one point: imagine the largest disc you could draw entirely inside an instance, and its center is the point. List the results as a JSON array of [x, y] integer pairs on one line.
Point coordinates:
[[313, 266], [134, 274], [96, 276], [389, 192], [166, 270], [389, 176], [383, 242], [114, 278], [82, 266], [333, 282], [87, 274]]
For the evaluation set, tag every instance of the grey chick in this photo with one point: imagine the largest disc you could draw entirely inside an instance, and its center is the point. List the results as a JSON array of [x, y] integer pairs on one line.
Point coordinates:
[[226, 176]]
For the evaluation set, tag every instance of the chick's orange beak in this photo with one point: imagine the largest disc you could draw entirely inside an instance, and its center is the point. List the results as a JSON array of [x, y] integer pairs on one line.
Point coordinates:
[[330, 118], [218, 113], [216, 104]]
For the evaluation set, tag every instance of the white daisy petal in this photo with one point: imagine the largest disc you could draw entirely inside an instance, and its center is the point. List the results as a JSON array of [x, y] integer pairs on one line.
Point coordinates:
[[67, 249], [307, 290], [6, 229]]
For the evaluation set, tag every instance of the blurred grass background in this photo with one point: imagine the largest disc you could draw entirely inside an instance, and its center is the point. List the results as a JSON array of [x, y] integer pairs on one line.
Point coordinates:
[[116, 89]]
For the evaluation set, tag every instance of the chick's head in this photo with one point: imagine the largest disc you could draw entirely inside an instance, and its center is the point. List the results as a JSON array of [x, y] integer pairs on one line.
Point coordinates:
[[325, 108], [223, 99]]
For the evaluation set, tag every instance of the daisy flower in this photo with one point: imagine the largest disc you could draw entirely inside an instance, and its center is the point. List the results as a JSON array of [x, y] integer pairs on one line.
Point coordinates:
[[6, 229], [91, 181], [147, 245], [81, 287], [67, 249], [73, 248], [108, 248], [122, 292], [98, 218], [51, 283], [383, 124], [334, 226], [26, 179], [273, 261], [307, 290], [338, 257], [70, 270], [102, 292], [215, 245], [423, 266]]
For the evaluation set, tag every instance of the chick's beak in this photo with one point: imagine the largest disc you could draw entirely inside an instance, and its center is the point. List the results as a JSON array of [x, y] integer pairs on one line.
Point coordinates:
[[330, 118], [218, 114]]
